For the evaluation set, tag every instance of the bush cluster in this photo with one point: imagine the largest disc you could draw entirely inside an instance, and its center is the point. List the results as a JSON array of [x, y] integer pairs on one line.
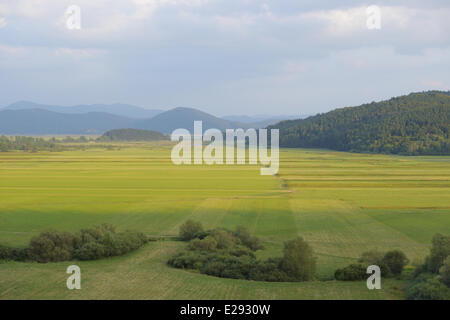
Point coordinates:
[[230, 254], [88, 244], [352, 272], [427, 286], [431, 281], [391, 263]]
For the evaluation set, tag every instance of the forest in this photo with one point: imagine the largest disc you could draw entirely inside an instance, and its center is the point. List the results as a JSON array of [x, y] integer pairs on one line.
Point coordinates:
[[416, 124]]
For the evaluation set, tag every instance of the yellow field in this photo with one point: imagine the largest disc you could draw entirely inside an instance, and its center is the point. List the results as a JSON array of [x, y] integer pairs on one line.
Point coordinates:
[[342, 203]]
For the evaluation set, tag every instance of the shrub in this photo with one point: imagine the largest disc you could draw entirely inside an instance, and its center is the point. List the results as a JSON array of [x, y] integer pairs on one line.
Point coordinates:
[[395, 260], [444, 272], [190, 229], [108, 243], [189, 260], [227, 266], [426, 284], [427, 287], [5, 252], [90, 251], [247, 239], [96, 233], [208, 244], [375, 257], [298, 261], [52, 246], [224, 239], [440, 250], [239, 251], [268, 270], [352, 272], [21, 254]]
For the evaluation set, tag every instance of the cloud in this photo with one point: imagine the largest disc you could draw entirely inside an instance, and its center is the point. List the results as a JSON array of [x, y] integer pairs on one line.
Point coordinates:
[[86, 53], [223, 54]]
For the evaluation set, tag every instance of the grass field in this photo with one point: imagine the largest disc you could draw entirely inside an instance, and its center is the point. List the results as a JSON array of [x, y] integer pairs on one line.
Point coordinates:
[[342, 203]]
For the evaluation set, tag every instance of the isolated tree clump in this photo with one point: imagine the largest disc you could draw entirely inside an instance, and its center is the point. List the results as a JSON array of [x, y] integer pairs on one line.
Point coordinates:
[[88, 244], [230, 254], [390, 263]]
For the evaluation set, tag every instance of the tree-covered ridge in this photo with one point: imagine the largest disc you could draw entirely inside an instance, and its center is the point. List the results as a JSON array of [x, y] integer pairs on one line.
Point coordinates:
[[418, 123], [132, 135]]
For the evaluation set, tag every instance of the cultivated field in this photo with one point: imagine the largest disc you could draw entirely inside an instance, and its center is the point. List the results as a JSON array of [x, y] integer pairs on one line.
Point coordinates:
[[342, 203]]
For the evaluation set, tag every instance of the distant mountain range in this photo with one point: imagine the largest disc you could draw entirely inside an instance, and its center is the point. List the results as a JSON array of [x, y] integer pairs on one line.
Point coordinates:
[[119, 109], [418, 123], [41, 122], [28, 118]]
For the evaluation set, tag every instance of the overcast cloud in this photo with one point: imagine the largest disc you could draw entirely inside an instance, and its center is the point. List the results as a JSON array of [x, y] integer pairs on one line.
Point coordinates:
[[222, 56]]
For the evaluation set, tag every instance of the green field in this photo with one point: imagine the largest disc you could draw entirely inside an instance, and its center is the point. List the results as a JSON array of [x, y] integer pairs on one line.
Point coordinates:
[[342, 203]]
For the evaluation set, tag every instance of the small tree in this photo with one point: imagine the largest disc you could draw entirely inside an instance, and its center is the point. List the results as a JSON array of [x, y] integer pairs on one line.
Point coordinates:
[[375, 257], [190, 229], [444, 272], [440, 250], [395, 260], [298, 261]]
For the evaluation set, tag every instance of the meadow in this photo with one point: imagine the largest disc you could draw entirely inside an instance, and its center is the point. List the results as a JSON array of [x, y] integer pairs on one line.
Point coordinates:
[[342, 203]]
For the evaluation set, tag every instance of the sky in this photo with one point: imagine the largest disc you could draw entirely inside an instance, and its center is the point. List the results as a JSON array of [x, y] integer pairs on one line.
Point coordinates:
[[222, 56]]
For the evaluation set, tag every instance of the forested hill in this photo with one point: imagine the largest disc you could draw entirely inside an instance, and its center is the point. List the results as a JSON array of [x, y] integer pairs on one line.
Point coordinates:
[[418, 123]]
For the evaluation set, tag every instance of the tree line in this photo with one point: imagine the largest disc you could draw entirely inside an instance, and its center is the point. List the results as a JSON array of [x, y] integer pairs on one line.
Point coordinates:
[[29, 144]]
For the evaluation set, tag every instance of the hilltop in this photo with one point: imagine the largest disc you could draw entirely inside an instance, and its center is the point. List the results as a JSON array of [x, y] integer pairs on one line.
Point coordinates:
[[415, 124]]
